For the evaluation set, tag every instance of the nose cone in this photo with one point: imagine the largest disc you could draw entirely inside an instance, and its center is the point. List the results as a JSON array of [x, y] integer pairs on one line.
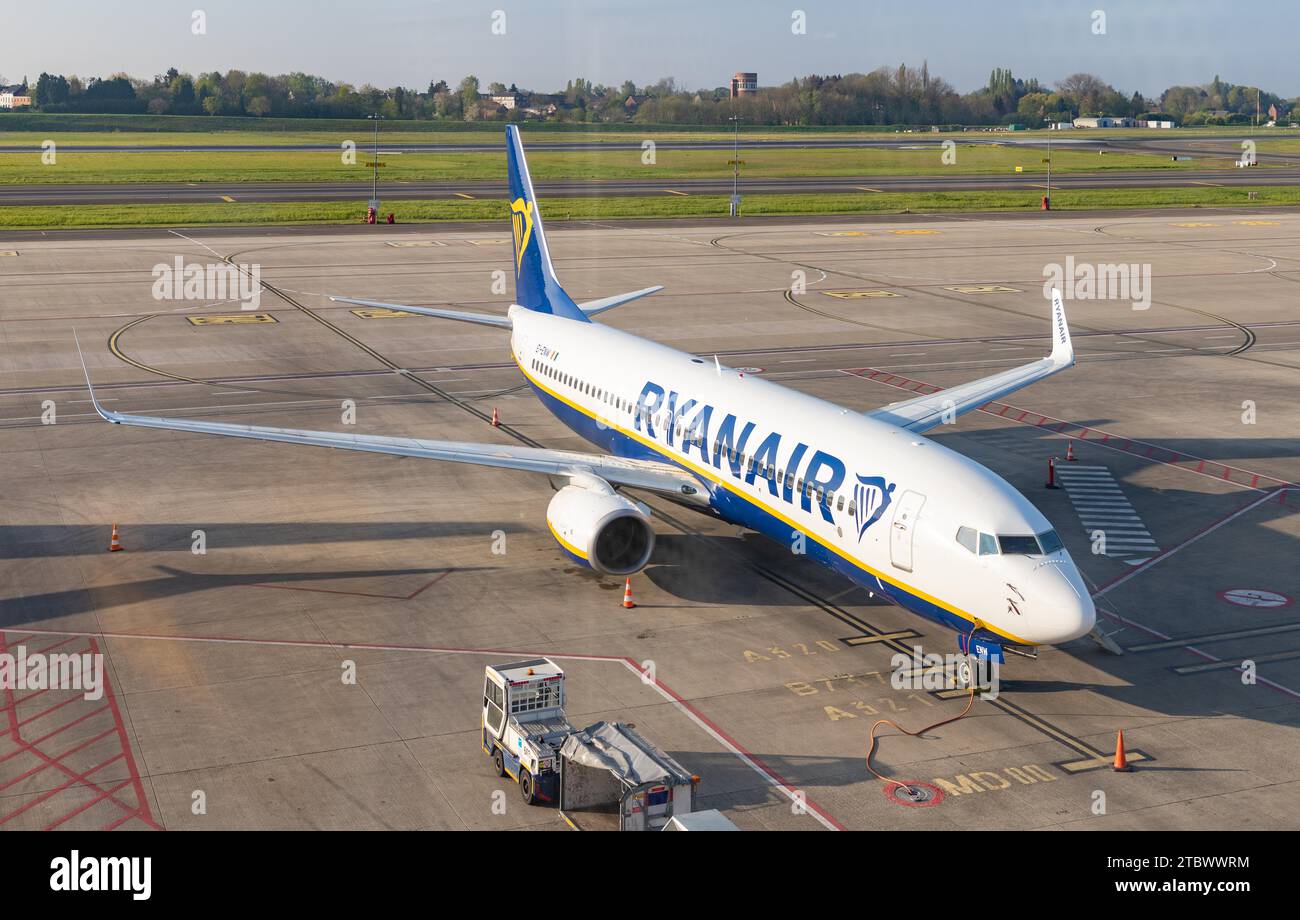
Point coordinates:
[[1065, 610]]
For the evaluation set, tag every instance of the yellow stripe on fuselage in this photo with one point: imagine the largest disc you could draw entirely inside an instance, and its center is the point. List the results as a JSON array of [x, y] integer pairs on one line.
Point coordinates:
[[712, 477]]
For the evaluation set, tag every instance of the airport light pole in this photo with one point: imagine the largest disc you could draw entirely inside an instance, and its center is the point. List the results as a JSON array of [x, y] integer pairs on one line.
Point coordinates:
[[374, 194], [735, 167]]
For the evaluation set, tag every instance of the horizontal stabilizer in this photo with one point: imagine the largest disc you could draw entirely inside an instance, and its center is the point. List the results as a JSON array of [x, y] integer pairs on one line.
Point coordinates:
[[592, 307]]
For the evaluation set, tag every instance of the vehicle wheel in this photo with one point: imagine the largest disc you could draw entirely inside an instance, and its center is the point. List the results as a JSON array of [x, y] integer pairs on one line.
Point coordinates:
[[526, 786], [965, 674], [499, 762]]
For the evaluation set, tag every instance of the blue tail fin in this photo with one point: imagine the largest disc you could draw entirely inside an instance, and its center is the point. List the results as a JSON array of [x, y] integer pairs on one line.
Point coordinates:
[[536, 287]]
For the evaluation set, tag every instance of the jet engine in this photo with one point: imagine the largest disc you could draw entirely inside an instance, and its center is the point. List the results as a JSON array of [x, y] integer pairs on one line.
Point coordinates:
[[602, 529]]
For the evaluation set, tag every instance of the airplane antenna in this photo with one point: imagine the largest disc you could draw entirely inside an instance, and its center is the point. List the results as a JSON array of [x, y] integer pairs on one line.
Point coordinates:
[[717, 364]]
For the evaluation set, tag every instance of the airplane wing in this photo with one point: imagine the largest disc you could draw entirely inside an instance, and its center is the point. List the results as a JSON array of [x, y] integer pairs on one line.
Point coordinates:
[[579, 468], [925, 412]]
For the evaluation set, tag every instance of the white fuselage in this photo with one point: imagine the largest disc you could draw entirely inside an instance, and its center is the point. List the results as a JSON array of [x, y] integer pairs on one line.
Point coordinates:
[[879, 503]]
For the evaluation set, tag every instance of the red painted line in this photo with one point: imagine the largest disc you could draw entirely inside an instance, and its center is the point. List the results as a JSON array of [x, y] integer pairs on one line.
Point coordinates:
[[50, 793], [47, 763], [320, 643], [145, 815], [61, 728], [95, 801], [46, 712], [120, 821], [754, 758]]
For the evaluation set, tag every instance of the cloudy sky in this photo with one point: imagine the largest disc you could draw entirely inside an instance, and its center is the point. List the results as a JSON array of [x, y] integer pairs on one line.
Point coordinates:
[[1148, 44]]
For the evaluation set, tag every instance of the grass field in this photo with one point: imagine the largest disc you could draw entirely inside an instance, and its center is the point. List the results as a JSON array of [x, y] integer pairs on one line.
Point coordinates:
[[72, 167], [867, 204]]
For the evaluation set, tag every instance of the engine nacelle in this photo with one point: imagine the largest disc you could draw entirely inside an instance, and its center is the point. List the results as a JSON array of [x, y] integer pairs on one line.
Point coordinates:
[[602, 529]]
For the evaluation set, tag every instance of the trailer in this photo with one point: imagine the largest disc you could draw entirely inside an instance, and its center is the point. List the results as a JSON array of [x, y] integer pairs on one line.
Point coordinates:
[[611, 778], [603, 776]]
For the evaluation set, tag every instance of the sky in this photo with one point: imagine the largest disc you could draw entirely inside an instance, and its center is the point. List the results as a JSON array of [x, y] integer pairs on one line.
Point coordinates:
[[1148, 45]]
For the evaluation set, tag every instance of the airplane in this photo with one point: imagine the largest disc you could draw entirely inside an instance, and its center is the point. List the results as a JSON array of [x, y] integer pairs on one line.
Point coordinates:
[[864, 493]]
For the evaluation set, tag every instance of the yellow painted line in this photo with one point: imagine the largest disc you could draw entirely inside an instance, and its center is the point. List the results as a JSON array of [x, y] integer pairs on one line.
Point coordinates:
[[914, 232], [463, 195], [380, 313], [1212, 184], [1048, 187], [8, 252], [863, 188], [883, 637], [842, 233], [1256, 223], [231, 319], [712, 477], [1194, 224], [1096, 763], [675, 192], [226, 198], [983, 289], [858, 295]]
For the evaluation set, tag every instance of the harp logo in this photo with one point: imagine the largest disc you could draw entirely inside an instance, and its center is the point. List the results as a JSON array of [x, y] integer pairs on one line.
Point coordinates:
[[521, 219], [872, 495]]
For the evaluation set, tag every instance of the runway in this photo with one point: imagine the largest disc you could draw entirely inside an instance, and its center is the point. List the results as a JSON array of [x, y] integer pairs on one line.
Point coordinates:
[[177, 193], [225, 665]]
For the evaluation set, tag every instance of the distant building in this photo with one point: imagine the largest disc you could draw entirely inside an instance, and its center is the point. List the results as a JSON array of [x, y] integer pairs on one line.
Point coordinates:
[[507, 100], [1062, 125], [9, 100], [1277, 111], [1105, 121], [744, 84]]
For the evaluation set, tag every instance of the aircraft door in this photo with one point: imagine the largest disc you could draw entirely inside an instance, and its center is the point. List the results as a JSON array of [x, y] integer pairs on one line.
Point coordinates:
[[903, 527]]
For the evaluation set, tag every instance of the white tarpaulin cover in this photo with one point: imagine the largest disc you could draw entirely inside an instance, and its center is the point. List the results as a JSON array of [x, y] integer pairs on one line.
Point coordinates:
[[614, 747]]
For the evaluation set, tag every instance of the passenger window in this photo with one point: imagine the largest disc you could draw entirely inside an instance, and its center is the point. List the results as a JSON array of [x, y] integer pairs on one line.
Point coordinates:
[[841, 504], [988, 544], [968, 538], [853, 508]]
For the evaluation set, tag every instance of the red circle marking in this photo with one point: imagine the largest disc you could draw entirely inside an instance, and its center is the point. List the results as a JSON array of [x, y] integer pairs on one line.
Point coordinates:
[[893, 791], [1255, 597]]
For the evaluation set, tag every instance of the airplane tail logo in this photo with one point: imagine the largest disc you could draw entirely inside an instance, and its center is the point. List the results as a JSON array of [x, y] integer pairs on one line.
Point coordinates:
[[536, 287], [872, 496], [521, 219]]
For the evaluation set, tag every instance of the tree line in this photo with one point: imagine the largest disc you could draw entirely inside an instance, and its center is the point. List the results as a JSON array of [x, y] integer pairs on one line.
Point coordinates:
[[886, 96]]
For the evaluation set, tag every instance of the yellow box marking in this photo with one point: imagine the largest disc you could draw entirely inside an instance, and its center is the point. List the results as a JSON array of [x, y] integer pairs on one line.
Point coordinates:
[[1194, 224], [671, 191], [983, 289], [226, 198], [488, 242], [463, 195], [883, 637], [915, 232], [842, 233], [8, 252], [411, 244], [231, 319], [1098, 763], [381, 313], [1020, 169], [1256, 223], [863, 188], [859, 295]]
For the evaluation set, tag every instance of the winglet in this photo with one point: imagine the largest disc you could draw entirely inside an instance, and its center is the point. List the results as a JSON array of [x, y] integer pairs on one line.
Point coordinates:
[[89, 386], [1062, 347]]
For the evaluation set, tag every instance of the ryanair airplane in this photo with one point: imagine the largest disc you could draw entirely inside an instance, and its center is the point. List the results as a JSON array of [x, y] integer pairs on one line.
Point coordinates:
[[866, 494]]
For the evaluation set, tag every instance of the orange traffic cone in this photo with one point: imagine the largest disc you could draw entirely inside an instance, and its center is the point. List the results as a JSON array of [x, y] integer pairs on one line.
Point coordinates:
[[496, 421], [1069, 451], [1121, 762], [627, 595], [115, 545]]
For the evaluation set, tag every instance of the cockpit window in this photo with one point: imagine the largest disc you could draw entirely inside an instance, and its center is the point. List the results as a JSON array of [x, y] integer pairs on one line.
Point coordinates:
[[967, 537], [1050, 542], [988, 544], [1018, 546]]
